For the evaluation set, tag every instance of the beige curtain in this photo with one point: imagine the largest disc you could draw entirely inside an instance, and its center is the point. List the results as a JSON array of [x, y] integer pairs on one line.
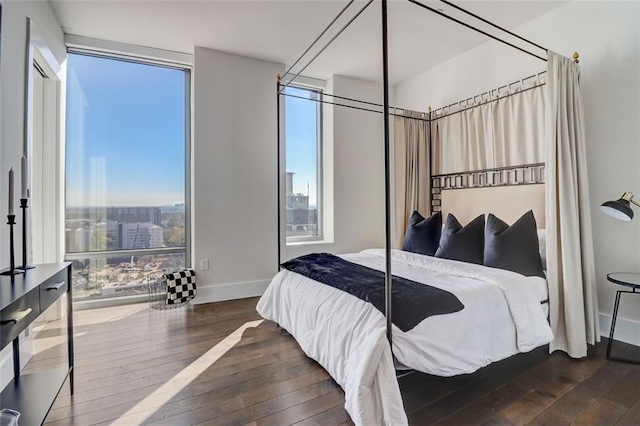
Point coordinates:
[[505, 132], [570, 266], [411, 171]]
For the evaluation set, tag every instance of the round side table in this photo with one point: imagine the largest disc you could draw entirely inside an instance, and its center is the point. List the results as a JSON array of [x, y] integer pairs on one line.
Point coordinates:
[[627, 279]]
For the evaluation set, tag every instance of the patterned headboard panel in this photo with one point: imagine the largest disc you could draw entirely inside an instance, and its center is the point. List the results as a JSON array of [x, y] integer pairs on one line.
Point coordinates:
[[507, 192]]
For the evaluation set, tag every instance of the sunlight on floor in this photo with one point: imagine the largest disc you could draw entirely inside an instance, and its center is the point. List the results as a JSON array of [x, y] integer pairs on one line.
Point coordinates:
[[145, 408], [110, 314], [134, 310], [42, 344], [49, 342]]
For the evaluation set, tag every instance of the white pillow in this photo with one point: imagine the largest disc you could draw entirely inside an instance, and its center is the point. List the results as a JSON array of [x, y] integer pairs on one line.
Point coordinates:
[[542, 242]]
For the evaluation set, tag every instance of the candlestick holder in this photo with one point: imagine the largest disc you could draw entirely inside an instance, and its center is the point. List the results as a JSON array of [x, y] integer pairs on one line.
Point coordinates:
[[11, 220], [24, 205]]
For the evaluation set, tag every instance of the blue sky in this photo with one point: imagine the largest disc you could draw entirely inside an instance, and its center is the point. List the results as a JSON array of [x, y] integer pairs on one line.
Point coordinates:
[[125, 133], [301, 134]]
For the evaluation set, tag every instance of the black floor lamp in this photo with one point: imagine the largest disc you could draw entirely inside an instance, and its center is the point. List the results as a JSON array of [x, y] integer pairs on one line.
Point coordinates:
[[621, 208]]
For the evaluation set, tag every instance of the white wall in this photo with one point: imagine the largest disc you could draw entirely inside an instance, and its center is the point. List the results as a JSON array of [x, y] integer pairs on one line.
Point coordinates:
[[606, 36], [234, 173], [50, 39]]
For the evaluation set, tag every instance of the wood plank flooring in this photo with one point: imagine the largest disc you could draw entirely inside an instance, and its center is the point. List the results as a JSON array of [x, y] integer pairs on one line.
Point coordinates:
[[219, 364]]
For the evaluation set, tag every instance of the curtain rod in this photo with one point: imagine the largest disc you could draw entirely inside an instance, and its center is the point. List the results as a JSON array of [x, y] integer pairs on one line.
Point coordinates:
[[404, 110], [464, 24], [429, 116], [351, 106], [487, 102], [360, 101], [494, 169], [435, 111]]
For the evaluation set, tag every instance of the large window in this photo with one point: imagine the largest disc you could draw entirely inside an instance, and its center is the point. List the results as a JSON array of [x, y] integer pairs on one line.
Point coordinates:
[[303, 118], [127, 139]]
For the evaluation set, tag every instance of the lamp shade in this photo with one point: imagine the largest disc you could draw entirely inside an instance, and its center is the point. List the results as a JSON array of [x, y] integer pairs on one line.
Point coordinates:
[[619, 209]]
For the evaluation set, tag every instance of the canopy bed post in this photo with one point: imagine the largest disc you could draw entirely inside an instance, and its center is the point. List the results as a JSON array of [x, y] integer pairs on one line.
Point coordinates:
[[387, 171], [279, 195], [430, 147]]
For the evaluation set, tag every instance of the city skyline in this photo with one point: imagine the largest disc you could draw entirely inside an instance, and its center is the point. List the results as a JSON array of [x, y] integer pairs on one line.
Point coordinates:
[[103, 206], [106, 206], [123, 228]]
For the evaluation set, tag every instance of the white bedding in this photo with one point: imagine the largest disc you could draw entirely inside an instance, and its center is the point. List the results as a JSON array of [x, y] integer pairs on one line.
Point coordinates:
[[347, 336]]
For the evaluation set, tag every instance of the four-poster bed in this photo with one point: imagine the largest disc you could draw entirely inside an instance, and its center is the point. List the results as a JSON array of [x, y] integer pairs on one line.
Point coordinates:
[[356, 341]]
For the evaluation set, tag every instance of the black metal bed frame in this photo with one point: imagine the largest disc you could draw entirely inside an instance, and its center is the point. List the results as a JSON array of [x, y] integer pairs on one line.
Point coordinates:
[[386, 111]]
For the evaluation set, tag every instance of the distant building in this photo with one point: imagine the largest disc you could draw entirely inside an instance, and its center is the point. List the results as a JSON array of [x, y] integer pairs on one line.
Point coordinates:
[[156, 236], [70, 240], [289, 183], [110, 230], [135, 214], [301, 221], [83, 238], [96, 237], [140, 235]]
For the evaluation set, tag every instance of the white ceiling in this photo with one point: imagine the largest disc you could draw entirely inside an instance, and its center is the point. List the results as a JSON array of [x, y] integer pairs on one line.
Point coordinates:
[[280, 31]]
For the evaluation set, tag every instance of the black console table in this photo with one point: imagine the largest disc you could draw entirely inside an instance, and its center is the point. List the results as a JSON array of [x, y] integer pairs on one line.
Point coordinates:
[[22, 299]]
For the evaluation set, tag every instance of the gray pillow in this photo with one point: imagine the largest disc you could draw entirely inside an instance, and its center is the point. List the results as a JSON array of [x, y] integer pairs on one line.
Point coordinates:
[[514, 248], [423, 235], [463, 244]]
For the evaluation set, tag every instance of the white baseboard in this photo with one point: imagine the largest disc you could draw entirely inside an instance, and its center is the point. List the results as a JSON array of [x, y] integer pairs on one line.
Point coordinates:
[[627, 330], [242, 290]]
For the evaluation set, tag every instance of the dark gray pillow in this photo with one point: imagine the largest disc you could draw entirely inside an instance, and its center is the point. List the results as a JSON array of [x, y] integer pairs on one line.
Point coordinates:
[[423, 235], [514, 248], [463, 244]]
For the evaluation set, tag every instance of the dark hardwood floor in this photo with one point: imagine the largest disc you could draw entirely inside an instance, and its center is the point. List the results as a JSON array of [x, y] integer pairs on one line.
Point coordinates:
[[217, 364]]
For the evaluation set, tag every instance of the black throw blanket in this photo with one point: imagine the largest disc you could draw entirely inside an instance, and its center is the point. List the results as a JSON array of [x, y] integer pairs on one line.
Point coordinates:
[[411, 303]]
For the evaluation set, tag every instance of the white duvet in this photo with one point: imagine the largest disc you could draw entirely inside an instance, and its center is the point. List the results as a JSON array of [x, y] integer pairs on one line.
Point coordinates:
[[347, 336]]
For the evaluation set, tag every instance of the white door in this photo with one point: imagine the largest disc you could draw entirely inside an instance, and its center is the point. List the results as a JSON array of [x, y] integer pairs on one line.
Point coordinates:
[[44, 166]]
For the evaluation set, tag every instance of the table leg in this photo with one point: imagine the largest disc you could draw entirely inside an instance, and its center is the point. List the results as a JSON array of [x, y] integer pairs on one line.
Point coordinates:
[[613, 328], [613, 323], [70, 327], [16, 358]]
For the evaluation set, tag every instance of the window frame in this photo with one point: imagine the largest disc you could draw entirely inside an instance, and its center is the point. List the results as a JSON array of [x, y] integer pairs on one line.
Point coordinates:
[[293, 240], [188, 142]]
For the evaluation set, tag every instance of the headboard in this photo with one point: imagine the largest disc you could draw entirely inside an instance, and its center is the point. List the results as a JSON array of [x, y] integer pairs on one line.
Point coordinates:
[[507, 192]]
